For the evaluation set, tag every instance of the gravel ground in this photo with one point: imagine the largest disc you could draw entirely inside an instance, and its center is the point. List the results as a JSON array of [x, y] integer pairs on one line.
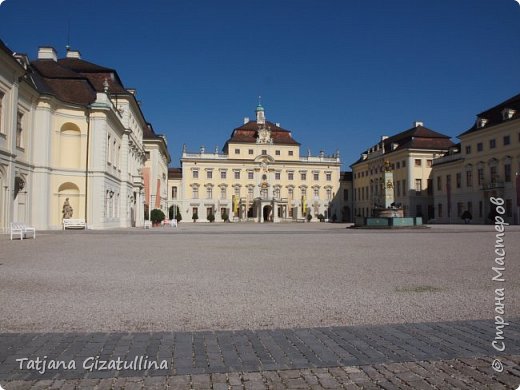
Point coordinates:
[[251, 276]]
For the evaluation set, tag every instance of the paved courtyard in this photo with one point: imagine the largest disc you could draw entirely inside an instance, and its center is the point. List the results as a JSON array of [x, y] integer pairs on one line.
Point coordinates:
[[260, 306]]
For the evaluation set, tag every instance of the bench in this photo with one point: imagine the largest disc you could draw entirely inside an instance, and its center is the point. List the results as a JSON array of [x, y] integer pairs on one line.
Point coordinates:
[[22, 229], [74, 224]]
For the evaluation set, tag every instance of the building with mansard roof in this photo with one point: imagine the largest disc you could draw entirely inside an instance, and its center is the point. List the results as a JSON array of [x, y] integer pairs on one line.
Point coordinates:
[[410, 154], [485, 164], [258, 176], [71, 134]]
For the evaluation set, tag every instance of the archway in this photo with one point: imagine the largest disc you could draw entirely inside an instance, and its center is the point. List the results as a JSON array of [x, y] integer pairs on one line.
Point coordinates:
[[268, 213], [68, 192]]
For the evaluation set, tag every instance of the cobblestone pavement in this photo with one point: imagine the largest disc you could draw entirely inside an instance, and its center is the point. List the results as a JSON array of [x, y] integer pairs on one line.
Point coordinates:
[[443, 355]]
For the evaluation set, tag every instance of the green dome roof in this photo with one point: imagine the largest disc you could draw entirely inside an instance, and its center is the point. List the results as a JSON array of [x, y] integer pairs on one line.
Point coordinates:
[[259, 107]]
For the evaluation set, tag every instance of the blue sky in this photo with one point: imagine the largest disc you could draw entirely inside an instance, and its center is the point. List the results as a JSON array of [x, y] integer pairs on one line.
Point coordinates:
[[339, 74]]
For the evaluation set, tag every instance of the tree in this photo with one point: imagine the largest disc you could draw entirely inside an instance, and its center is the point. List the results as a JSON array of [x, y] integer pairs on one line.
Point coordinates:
[[211, 217], [157, 216], [309, 217], [224, 216], [195, 216], [321, 217], [178, 216]]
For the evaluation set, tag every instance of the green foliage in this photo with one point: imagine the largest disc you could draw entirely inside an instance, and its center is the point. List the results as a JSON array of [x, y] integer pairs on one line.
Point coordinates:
[[178, 216], [309, 217], [224, 216], [157, 216], [195, 216], [211, 217], [321, 217]]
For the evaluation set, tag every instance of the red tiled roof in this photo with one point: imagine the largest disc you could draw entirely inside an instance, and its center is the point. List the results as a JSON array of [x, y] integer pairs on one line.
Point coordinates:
[[174, 173], [248, 133], [418, 137]]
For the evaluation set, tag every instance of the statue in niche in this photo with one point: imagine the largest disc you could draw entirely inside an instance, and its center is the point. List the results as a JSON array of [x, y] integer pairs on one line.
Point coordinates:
[[67, 209]]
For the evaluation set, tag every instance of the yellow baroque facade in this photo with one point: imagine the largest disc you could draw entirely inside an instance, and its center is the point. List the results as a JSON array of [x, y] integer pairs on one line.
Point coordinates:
[[410, 154], [485, 164], [259, 176]]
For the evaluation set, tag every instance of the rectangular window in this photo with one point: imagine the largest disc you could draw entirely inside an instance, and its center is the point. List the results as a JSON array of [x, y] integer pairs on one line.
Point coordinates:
[[237, 191], [250, 192], [290, 192], [250, 151], [329, 194], [264, 151], [209, 211], [404, 164], [469, 179], [174, 192], [404, 187], [195, 174], [439, 210], [316, 193], [429, 163], [277, 175], [276, 193], [223, 193], [480, 173], [237, 175], [460, 209], [418, 186], [290, 175], [507, 140], [480, 147], [458, 179], [277, 152], [209, 192], [480, 209], [195, 211], [398, 165], [417, 162], [468, 149], [303, 176], [492, 143], [470, 207], [439, 183], [398, 188], [250, 175], [209, 174], [345, 194], [290, 152], [493, 174], [507, 173], [509, 208], [195, 192], [237, 151], [223, 174], [429, 184], [19, 131], [328, 176], [316, 176]]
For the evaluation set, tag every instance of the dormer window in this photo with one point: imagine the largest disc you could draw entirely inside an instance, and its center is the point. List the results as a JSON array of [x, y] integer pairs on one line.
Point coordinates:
[[481, 122], [507, 113]]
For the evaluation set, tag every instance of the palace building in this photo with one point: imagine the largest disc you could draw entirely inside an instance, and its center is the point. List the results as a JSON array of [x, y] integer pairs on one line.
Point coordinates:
[[71, 144], [410, 155], [485, 164], [259, 176]]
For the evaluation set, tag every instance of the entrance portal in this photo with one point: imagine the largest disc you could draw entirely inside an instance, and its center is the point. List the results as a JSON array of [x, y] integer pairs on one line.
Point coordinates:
[[268, 214]]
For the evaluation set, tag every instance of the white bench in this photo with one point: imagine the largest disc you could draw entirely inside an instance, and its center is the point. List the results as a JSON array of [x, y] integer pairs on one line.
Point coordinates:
[[22, 229], [74, 223]]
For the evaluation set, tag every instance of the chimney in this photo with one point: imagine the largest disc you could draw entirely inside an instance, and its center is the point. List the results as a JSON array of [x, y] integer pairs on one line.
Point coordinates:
[[47, 53], [246, 120], [73, 54], [417, 124]]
